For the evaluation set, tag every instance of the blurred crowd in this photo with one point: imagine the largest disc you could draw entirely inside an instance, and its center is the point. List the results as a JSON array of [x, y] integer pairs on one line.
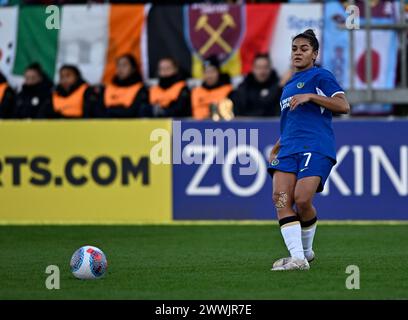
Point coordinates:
[[127, 96], [161, 2]]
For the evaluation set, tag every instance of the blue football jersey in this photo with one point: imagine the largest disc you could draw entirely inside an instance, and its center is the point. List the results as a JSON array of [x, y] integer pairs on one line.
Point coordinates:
[[309, 126]]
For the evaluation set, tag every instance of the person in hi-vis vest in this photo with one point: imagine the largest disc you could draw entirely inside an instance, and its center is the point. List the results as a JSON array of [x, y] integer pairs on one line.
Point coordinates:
[[69, 96], [126, 96], [171, 96], [7, 98], [215, 88]]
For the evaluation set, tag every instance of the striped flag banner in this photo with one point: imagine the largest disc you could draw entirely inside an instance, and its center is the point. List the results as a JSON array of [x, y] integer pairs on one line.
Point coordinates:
[[93, 36], [384, 48], [8, 36]]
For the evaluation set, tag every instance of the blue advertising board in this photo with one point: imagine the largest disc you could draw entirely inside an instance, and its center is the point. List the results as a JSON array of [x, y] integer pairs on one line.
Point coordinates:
[[370, 180]]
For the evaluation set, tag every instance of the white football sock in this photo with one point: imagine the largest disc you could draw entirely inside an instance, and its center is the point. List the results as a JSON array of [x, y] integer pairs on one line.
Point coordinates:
[[308, 234], [292, 235]]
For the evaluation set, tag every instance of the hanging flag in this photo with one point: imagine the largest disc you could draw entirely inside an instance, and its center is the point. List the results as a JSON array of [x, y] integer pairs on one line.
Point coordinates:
[[215, 30], [335, 51], [8, 35], [190, 34], [233, 33], [384, 49], [260, 22], [125, 32], [83, 39], [294, 19], [35, 43], [90, 37], [165, 38]]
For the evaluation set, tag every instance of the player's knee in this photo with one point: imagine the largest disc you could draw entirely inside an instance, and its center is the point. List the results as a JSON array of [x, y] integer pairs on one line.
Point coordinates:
[[303, 203], [280, 199]]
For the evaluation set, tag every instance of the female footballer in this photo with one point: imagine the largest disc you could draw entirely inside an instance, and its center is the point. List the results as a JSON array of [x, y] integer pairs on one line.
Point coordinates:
[[302, 158]]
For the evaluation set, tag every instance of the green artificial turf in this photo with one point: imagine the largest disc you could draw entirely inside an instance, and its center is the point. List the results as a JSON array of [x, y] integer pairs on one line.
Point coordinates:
[[204, 262]]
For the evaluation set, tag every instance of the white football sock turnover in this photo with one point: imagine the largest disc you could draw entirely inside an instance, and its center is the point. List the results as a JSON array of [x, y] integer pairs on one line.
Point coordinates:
[[308, 234], [292, 235]]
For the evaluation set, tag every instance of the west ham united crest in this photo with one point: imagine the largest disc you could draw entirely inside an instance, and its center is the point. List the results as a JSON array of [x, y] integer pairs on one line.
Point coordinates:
[[214, 30]]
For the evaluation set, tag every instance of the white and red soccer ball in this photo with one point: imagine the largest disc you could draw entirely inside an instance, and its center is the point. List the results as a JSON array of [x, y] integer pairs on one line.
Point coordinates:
[[88, 262]]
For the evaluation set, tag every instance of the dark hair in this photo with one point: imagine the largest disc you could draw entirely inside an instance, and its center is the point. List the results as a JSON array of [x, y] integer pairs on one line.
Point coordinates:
[[172, 60], [132, 61], [36, 67], [212, 61], [311, 37], [73, 68], [262, 56]]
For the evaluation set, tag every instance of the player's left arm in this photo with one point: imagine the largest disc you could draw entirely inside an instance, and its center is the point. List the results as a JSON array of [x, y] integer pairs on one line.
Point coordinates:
[[328, 94], [338, 103]]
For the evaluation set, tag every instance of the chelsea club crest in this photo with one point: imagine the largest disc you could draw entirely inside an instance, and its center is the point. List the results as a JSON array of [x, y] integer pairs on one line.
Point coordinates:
[[274, 162], [300, 85]]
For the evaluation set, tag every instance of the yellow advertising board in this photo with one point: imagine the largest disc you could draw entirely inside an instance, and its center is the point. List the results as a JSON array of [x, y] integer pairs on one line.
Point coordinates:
[[82, 172]]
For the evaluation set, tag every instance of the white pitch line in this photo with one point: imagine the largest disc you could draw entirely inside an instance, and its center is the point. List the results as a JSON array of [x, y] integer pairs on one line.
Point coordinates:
[[198, 223]]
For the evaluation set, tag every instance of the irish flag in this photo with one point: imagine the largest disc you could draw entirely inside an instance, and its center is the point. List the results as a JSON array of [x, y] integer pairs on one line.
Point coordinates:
[[91, 37]]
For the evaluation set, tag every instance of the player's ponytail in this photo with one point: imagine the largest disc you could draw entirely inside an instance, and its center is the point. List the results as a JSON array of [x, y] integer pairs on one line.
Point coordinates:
[[311, 36]]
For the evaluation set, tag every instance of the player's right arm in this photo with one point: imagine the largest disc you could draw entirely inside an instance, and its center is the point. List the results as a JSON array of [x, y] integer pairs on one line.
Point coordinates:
[[274, 151]]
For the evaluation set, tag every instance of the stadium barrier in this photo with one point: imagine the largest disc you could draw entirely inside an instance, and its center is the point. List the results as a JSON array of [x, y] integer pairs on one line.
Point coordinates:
[[82, 172], [370, 180], [104, 172]]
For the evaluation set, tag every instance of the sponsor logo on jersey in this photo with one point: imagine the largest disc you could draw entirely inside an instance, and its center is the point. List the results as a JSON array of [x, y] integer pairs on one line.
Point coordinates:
[[285, 103]]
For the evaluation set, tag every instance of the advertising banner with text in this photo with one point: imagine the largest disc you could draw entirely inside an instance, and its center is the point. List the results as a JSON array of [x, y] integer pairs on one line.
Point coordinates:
[[370, 180], [82, 172]]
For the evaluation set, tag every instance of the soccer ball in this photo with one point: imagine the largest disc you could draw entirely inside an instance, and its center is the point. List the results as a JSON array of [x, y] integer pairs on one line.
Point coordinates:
[[88, 262]]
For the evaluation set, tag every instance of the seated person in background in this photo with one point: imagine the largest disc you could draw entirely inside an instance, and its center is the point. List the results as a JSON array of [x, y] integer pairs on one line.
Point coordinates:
[[69, 96], [126, 96], [7, 98], [171, 97], [35, 93], [215, 88], [258, 95]]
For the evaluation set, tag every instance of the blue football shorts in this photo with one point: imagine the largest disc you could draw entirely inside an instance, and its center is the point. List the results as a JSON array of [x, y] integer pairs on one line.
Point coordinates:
[[304, 164]]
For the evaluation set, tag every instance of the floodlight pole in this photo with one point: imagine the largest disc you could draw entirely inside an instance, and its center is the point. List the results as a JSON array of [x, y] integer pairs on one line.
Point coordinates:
[[368, 57], [403, 36], [351, 55]]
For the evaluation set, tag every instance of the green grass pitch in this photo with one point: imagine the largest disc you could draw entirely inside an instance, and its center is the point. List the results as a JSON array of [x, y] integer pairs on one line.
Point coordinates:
[[204, 262]]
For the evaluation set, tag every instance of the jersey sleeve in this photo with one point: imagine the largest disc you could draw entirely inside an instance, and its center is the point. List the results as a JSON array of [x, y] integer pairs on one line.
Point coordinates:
[[327, 84]]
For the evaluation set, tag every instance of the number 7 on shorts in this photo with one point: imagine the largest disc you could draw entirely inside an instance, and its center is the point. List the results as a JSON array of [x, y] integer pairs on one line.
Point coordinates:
[[309, 155]]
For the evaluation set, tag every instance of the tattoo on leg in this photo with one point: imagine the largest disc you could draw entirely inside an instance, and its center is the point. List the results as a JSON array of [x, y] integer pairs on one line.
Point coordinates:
[[282, 200]]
